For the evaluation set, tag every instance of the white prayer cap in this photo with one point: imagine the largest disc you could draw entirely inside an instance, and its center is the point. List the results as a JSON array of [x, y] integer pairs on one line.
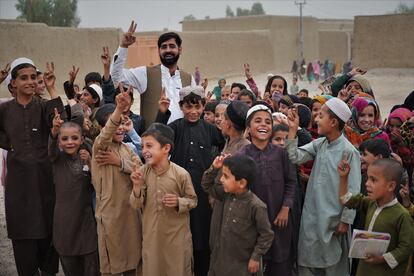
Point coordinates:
[[185, 91], [257, 107], [97, 89], [340, 109], [14, 64]]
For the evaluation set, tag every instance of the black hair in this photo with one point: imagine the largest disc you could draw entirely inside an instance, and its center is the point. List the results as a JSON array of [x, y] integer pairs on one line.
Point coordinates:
[[168, 36], [239, 85], [304, 90], [391, 170], [192, 98], [280, 127], [93, 77], [341, 124], [269, 84], [242, 167], [246, 92], [159, 136], [211, 106], [38, 72], [71, 125], [376, 147], [19, 67], [306, 101]]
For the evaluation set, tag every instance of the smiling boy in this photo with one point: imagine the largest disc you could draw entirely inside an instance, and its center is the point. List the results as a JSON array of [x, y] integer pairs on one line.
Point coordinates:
[[383, 214], [193, 141]]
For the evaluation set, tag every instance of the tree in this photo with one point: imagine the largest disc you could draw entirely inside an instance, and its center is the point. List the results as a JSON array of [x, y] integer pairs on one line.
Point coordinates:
[[60, 13], [404, 8], [242, 12], [189, 17], [229, 12], [257, 9]]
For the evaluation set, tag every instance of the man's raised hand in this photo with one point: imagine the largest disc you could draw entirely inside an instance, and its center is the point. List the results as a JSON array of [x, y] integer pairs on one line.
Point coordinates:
[[128, 38]]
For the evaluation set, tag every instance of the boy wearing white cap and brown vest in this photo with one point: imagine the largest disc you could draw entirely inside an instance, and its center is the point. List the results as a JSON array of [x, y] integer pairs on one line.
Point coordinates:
[[325, 224]]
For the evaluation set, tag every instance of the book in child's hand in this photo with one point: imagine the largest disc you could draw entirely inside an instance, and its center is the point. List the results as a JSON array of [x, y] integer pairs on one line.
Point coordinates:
[[367, 242]]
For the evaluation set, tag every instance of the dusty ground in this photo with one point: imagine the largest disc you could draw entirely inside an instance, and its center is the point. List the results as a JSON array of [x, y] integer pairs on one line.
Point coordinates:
[[391, 86]]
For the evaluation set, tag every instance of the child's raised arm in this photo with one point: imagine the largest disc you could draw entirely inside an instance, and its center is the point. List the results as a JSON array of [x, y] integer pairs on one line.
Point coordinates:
[[53, 149], [4, 72], [137, 198], [208, 182], [343, 171], [49, 78]]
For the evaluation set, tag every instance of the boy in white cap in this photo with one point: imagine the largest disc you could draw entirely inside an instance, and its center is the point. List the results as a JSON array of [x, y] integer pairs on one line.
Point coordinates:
[[25, 123], [325, 224]]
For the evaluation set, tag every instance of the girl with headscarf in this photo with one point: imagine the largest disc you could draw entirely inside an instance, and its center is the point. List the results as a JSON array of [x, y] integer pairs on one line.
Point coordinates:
[[364, 121], [217, 90], [400, 128]]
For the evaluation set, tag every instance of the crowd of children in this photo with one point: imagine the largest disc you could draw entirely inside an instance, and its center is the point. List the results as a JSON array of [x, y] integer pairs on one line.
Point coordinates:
[[235, 181]]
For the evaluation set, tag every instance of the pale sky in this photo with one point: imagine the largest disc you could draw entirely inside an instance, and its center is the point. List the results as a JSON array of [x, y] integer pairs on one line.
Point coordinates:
[[156, 15]]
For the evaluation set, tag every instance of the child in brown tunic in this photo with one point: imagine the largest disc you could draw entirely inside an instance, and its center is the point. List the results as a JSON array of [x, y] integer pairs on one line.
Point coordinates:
[[245, 232], [74, 226], [166, 195]]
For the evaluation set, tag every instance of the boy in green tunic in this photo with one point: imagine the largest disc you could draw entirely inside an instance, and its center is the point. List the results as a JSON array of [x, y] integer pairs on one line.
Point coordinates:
[[383, 214]]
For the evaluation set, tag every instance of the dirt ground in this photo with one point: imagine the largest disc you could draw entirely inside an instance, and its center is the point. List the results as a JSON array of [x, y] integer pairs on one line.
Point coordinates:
[[390, 86]]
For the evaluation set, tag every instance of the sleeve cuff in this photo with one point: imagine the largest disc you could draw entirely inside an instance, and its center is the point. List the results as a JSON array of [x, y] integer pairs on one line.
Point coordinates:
[[346, 197], [183, 205], [255, 256], [391, 261]]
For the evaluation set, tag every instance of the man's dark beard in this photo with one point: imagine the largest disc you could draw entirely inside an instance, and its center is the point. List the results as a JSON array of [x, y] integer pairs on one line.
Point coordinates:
[[169, 61]]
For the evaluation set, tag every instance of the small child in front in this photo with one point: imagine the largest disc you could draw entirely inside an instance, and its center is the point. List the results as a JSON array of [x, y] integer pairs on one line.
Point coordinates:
[[383, 214], [74, 226], [165, 193], [245, 234]]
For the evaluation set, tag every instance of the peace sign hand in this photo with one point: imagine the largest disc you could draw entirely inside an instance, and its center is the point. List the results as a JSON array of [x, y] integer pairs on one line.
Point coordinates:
[[106, 57], [164, 102], [49, 76], [56, 124], [128, 38], [73, 73]]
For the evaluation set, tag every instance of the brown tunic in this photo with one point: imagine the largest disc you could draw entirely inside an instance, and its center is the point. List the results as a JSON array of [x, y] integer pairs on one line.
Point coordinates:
[[232, 146], [74, 226], [119, 225], [29, 189], [245, 232], [167, 246]]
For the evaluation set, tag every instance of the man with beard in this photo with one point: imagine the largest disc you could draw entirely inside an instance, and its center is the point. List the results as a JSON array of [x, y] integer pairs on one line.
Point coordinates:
[[149, 81]]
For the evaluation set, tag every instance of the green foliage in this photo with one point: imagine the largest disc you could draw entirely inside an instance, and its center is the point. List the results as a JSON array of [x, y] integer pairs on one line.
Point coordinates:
[[189, 17], [229, 12], [257, 9], [60, 13], [404, 8]]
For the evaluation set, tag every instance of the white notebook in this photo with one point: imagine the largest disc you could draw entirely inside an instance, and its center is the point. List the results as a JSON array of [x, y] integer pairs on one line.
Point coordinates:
[[366, 242]]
